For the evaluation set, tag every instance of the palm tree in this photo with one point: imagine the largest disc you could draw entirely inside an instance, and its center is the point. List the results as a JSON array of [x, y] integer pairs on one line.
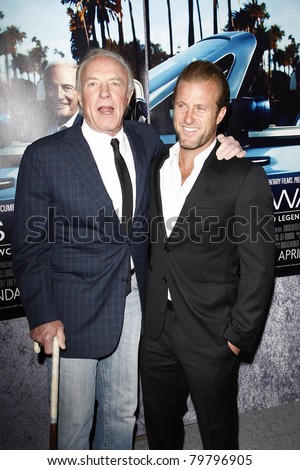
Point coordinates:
[[292, 52], [147, 35], [37, 58], [230, 18], [240, 20], [135, 42], [257, 13], [191, 34], [275, 35], [79, 34], [9, 39], [102, 17], [215, 16], [84, 16], [116, 13], [199, 19], [250, 18], [170, 28], [278, 58], [20, 63]]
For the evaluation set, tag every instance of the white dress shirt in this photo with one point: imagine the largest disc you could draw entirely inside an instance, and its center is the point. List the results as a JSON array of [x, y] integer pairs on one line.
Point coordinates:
[[173, 193], [55, 128], [102, 151]]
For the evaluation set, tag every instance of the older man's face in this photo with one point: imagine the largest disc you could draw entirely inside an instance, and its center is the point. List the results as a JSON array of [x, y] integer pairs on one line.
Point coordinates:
[[61, 94], [104, 94]]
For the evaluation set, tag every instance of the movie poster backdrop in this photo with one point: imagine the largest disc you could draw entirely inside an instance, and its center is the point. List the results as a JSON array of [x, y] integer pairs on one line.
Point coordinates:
[[23, 120], [23, 113]]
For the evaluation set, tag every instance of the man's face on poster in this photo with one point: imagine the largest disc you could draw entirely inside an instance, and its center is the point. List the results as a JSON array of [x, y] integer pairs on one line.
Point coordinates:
[[61, 94]]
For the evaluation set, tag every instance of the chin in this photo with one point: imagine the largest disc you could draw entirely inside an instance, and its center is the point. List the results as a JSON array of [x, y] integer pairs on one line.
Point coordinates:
[[189, 145]]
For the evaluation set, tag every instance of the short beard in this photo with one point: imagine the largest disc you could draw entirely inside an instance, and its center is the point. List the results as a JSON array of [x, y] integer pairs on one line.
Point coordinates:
[[197, 144], [203, 141]]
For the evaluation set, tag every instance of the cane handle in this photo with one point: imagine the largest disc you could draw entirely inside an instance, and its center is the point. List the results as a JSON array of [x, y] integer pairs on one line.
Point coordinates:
[[36, 347]]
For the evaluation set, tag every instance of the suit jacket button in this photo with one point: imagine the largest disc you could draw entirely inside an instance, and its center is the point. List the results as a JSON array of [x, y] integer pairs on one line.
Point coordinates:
[[124, 279], [164, 279], [167, 249]]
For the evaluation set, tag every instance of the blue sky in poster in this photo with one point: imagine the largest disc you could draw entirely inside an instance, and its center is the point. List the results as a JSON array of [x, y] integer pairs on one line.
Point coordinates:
[[48, 21]]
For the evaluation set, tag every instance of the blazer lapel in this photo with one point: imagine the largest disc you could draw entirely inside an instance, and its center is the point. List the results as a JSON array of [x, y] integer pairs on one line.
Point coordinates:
[[209, 169], [157, 194], [141, 170], [83, 164]]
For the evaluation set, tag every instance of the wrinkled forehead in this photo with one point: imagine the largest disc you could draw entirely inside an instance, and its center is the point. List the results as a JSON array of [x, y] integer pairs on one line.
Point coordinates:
[[61, 74], [104, 66]]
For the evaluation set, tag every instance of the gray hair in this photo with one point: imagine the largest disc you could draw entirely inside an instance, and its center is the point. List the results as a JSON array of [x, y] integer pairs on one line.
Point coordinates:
[[96, 52], [66, 63]]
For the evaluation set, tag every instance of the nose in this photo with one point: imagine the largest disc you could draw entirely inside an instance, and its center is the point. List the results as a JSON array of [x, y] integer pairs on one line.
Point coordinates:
[[189, 115], [60, 93], [104, 90]]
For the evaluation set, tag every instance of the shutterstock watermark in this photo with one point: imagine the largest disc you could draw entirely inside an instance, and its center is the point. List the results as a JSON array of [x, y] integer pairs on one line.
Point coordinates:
[[214, 229], [103, 228], [195, 228]]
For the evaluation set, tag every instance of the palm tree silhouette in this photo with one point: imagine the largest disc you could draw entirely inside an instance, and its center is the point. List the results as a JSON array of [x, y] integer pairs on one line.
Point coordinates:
[[9, 39], [147, 35], [275, 35], [191, 33], [37, 58], [134, 39], [199, 19], [230, 19], [84, 17], [170, 27], [215, 16]]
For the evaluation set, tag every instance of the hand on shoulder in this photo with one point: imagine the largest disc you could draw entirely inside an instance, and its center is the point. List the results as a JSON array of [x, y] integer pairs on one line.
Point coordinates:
[[229, 148]]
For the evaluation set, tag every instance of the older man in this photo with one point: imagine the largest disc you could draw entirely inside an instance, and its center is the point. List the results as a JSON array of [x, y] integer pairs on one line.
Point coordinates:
[[61, 99]]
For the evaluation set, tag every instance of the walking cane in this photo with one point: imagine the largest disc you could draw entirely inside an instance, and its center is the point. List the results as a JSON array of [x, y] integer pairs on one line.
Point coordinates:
[[54, 395], [53, 392]]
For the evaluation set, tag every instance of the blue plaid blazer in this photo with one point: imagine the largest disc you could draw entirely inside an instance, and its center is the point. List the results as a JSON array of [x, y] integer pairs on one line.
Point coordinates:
[[70, 255]]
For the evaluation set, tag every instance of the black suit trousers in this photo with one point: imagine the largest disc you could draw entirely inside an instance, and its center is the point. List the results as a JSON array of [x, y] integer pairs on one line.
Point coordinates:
[[171, 368]]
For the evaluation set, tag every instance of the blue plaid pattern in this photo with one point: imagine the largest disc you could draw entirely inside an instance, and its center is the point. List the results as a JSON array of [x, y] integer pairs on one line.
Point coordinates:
[[70, 257]]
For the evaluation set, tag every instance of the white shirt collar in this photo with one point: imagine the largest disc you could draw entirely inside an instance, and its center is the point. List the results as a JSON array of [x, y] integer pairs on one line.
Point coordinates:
[[199, 158], [93, 136], [70, 122]]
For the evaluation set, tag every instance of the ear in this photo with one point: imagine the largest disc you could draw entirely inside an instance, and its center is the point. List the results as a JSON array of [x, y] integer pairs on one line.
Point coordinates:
[[221, 114], [129, 96]]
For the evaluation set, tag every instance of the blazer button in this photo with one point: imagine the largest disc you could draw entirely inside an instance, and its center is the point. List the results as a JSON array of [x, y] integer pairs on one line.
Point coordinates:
[[124, 279], [164, 279], [167, 249]]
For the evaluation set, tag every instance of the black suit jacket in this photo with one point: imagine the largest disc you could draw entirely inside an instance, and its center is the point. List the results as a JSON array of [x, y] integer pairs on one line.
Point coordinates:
[[70, 256], [218, 262]]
